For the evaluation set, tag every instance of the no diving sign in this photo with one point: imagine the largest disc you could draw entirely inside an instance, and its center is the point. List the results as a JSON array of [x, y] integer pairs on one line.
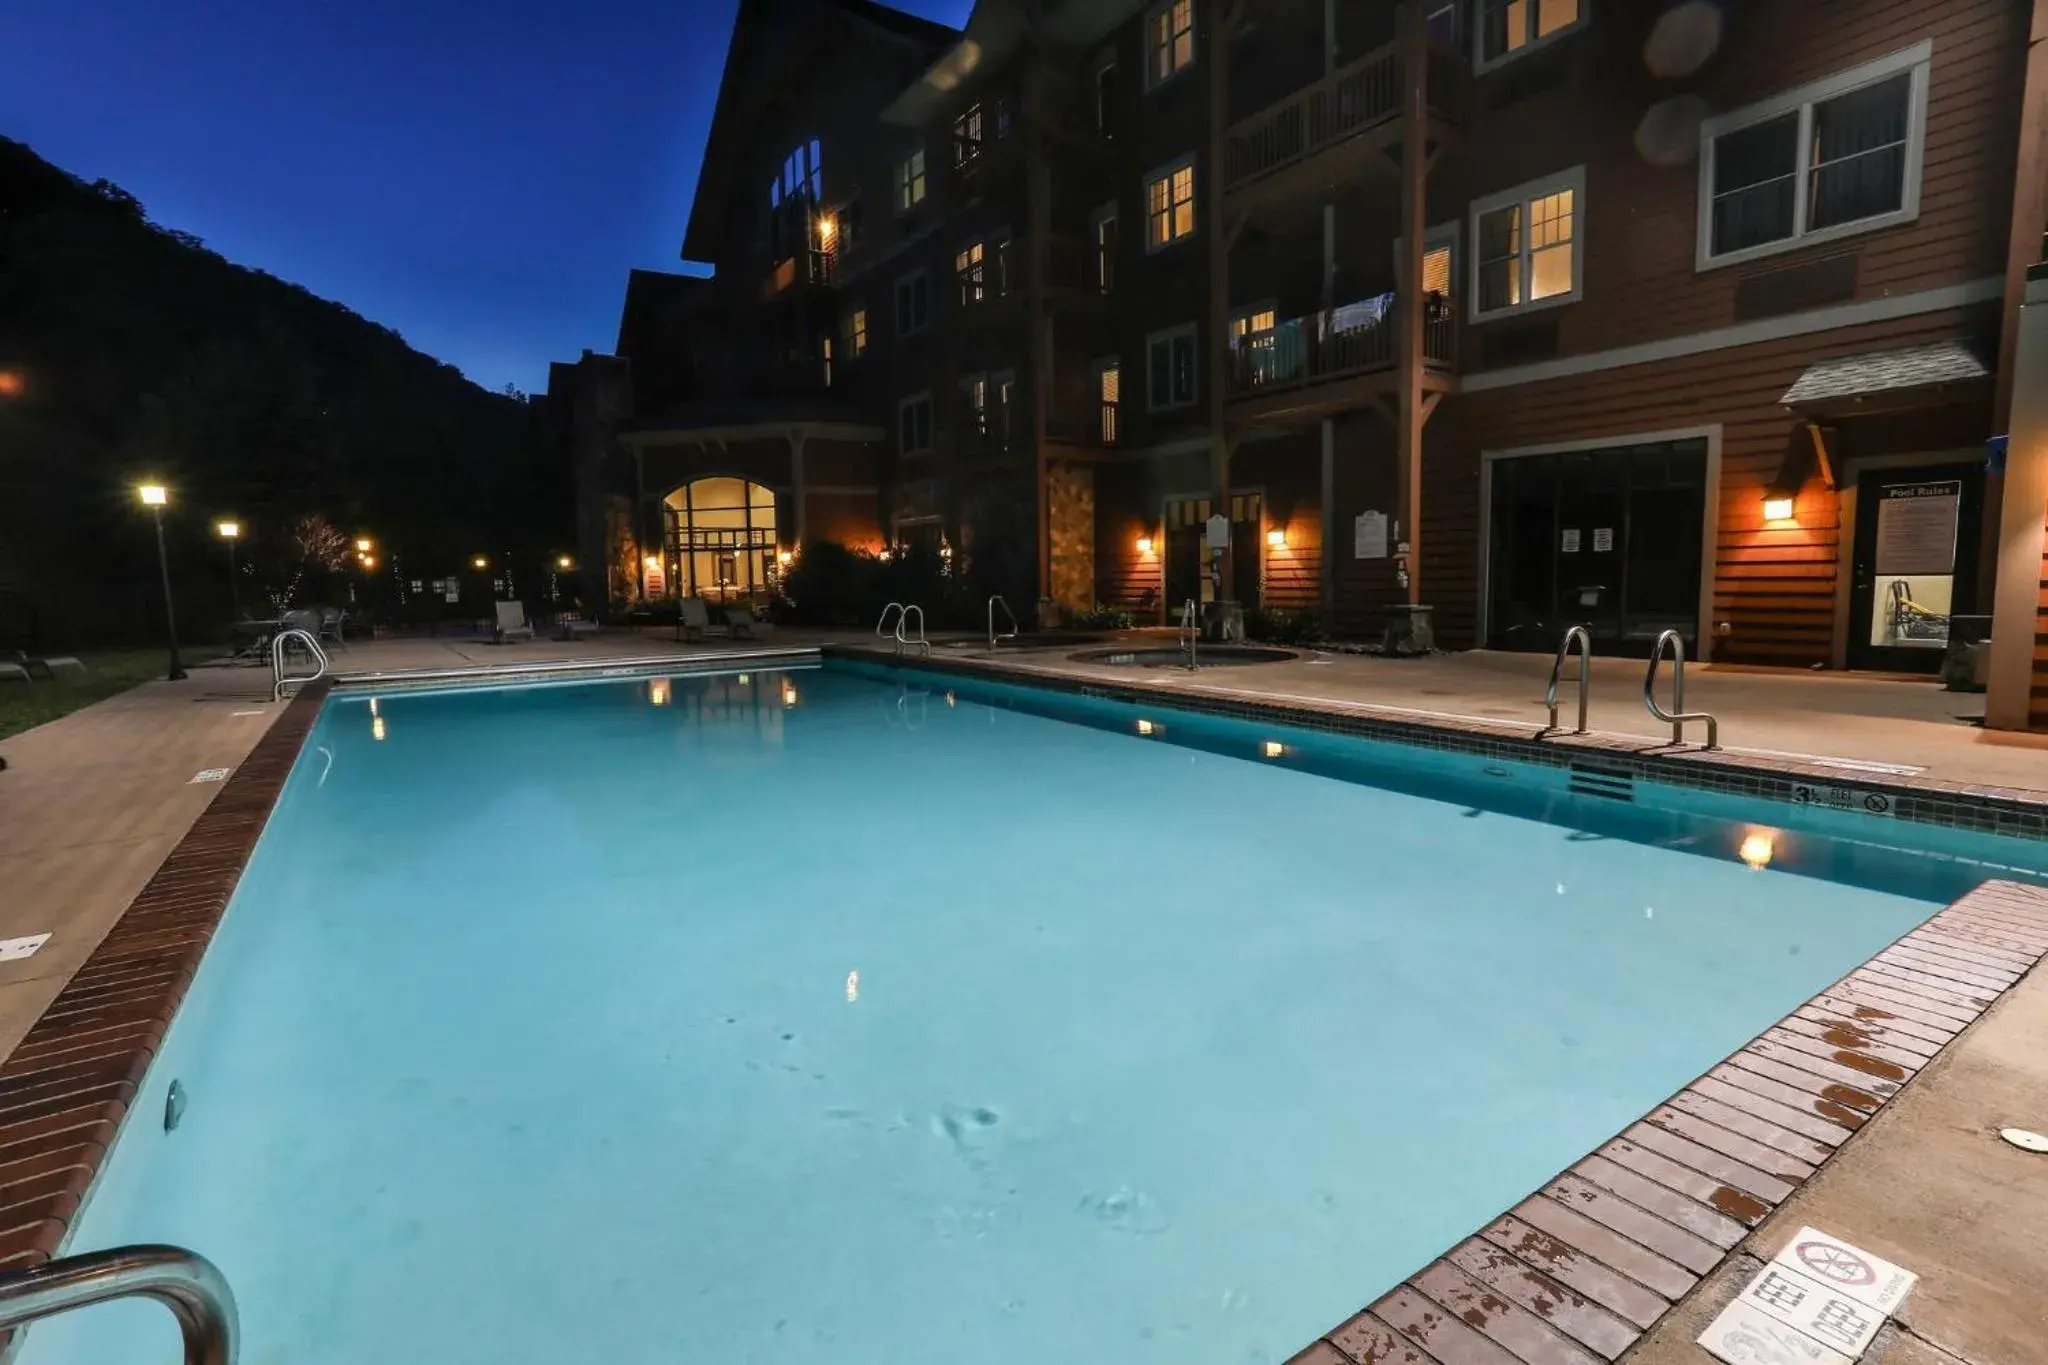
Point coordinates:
[[1820, 1302]]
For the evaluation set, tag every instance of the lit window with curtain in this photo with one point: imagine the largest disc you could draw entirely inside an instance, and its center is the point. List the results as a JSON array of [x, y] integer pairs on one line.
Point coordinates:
[[1170, 39], [1508, 28], [1526, 245], [1170, 205]]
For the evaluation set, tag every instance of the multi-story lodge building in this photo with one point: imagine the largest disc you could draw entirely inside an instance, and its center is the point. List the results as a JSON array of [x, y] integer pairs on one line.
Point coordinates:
[[1685, 315]]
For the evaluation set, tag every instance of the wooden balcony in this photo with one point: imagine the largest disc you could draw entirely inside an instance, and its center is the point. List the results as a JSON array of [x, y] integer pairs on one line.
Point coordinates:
[[1084, 427], [1311, 367], [817, 267], [994, 290], [1311, 138]]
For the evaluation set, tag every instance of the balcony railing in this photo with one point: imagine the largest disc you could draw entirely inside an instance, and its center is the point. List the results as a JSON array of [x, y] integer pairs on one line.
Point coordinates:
[[1343, 104], [818, 266], [1358, 338]]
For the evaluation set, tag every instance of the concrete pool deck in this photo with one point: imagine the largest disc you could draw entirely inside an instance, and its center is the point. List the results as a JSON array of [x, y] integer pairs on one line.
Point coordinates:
[[93, 803]]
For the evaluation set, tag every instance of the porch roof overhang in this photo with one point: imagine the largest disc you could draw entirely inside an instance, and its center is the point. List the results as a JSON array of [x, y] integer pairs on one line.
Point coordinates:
[[719, 426], [1876, 381]]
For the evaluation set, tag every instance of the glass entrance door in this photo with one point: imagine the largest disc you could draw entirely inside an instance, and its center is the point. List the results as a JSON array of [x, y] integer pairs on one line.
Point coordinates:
[[1914, 563], [1608, 539]]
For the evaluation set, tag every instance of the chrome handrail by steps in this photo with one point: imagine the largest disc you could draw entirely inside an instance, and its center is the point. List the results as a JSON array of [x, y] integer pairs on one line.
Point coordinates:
[[186, 1283]]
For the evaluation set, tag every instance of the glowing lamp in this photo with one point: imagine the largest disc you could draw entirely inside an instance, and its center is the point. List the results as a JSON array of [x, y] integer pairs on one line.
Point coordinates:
[[828, 231], [362, 545], [1777, 507], [1273, 748], [784, 556], [369, 562], [563, 563], [657, 691], [228, 530], [377, 728], [11, 384], [1277, 538], [788, 695], [480, 562], [153, 495], [1144, 545], [1146, 727]]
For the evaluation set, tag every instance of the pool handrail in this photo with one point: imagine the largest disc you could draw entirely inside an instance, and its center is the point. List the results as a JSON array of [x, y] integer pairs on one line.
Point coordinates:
[[185, 1282], [882, 626], [904, 640], [993, 603], [1585, 642], [1190, 632], [279, 680], [1677, 716]]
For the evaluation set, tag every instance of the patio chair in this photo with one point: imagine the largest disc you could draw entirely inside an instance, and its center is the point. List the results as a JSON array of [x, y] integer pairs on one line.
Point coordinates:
[[693, 619], [41, 665], [745, 625], [575, 628], [332, 622], [512, 623], [13, 673]]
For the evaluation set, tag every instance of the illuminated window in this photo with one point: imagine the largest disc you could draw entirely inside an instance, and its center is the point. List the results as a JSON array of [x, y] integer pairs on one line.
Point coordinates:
[[1170, 205], [967, 136], [974, 390], [1526, 245], [825, 356], [1251, 321], [1109, 385], [855, 333], [1169, 40], [910, 182], [1508, 28], [721, 538], [969, 267]]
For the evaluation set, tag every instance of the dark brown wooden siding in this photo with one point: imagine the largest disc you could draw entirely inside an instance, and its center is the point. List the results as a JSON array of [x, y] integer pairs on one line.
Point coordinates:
[[2037, 711], [1639, 225], [1774, 586], [1288, 473]]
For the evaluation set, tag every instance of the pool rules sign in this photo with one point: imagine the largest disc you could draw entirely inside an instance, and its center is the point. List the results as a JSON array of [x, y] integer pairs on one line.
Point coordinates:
[[1820, 1302]]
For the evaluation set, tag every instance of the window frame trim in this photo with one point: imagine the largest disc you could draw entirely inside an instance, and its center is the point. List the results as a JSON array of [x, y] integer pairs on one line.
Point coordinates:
[[1165, 171], [1481, 63], [1169, 335], [902, 182], [903, 406], [1917, 60], [1572, 178], [897, 296], [1153, 81]]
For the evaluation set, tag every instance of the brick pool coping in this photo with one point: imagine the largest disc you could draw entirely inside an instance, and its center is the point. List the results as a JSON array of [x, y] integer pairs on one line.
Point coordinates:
[[1573, 1275], [2015, 812], [66, 1089]]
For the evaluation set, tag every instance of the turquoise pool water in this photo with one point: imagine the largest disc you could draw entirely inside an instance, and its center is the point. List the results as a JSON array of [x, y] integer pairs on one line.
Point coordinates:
[[804, 1014]]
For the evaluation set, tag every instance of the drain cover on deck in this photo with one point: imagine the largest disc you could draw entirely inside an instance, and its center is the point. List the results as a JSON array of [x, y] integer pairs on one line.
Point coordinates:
[[210, 775], [2024, 1140], [14, 949]]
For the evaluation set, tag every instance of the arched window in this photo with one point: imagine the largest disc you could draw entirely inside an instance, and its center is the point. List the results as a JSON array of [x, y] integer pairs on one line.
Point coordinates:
[[721, 539]]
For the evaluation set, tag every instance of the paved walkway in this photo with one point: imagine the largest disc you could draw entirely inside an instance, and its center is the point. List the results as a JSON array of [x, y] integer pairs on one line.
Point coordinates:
[[1910, 724]]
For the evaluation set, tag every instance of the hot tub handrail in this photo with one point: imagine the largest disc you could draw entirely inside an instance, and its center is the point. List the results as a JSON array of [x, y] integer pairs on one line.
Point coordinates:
[[279, 681], [882, 626], [1677, 716], [1584, 640], [186, 1283], [905, 640], [1190, 632], [993, 603]]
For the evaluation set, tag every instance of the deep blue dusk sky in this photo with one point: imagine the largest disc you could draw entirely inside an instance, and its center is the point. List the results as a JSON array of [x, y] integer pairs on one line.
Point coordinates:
[[479, 176]]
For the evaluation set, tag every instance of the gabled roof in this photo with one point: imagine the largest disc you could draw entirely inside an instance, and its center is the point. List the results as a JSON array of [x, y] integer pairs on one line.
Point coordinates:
[[994, 32], [652, 298], [798, 25]]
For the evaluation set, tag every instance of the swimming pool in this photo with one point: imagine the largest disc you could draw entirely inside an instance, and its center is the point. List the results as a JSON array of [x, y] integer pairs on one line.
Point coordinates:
[[730, 1017]]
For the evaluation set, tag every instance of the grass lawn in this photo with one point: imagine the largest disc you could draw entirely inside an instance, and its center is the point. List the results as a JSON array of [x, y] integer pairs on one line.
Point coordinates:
[[26, 705]]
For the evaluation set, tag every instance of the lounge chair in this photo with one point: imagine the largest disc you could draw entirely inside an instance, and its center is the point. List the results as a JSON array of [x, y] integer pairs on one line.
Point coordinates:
[[575, 628], [744, 624], [693, 619], [512, 624], [39, 665], [13, 673]]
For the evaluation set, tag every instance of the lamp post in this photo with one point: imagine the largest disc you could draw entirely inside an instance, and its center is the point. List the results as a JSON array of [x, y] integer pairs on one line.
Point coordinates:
[[154, 496], [231, 531]]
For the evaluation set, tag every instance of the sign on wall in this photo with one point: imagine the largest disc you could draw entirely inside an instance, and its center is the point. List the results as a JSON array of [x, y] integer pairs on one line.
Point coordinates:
[[1916, 527], [1369, 536]]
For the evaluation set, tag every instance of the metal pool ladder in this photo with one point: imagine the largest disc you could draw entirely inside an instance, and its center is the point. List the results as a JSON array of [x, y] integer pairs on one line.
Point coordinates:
[[188, 1284], [1585, 642], [993, 603], [1190, 632], [279, 680], [904, 640], [1677, 716]]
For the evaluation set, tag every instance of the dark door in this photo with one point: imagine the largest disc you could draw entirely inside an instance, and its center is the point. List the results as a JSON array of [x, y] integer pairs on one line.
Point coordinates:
[[1914, 563], [1608, 539]]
